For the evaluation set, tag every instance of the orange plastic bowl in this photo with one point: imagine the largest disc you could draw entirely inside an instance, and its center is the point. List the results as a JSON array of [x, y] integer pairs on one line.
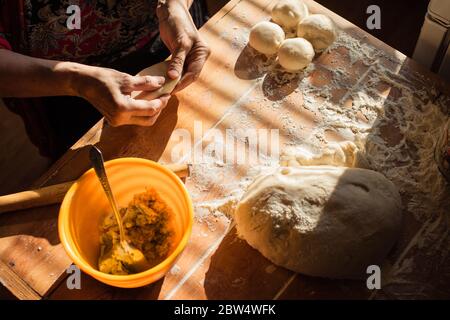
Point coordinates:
[[85, 205]]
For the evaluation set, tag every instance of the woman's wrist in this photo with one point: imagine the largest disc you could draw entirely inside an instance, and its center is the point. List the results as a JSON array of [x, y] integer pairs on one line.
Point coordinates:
[[165, 7], [168, 3], [66, 73], [74, 76]]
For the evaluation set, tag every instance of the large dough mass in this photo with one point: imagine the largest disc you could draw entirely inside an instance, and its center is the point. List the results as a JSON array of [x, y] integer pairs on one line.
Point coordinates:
[[321, 221]]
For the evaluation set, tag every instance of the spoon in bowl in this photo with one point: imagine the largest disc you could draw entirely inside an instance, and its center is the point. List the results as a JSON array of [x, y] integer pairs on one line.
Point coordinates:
[[132, 257]]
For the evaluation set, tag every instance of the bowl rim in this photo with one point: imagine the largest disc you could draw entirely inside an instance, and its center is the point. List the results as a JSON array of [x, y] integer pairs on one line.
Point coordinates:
[[69, 244]]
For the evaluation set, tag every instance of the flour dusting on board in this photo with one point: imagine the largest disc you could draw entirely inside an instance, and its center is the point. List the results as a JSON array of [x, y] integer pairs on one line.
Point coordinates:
[[355, 92]]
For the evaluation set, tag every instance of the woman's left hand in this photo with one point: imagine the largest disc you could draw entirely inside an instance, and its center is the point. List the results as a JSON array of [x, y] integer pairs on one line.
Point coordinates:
[[179, 34]]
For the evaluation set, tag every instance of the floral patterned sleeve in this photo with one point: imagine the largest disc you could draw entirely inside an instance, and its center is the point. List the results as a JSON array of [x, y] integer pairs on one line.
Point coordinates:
[[109, 29]]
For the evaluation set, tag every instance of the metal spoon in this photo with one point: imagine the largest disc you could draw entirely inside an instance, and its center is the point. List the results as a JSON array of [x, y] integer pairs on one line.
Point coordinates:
[[134, 257]]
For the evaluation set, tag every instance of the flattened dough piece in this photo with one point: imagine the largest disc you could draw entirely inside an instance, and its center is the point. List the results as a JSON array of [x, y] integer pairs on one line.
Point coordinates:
[[159, 69], [321, 221]]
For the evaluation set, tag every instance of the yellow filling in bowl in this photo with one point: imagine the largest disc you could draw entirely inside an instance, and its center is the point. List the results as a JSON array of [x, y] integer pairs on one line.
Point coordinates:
[[146, 223]]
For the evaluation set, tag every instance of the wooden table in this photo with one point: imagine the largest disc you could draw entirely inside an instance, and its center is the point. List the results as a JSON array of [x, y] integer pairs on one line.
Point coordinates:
[[216, 264]]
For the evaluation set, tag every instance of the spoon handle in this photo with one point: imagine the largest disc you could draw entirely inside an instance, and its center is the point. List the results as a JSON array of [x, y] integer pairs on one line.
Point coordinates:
[[96, 158]]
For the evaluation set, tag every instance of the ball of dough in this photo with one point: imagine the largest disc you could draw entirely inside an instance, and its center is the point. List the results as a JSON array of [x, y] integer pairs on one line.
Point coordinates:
[[266, 37], [288, 13], [323, 221], [295, 54], [319, 30]]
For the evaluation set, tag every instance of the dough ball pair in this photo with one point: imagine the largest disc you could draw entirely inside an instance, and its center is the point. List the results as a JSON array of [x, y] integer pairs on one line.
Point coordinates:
[[269, 39]]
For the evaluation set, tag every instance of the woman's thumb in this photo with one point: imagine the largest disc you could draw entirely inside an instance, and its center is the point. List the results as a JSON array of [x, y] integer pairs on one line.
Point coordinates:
[[176, 64]]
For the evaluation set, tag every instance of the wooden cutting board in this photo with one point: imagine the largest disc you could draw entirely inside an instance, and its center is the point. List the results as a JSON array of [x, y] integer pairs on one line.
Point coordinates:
[[216, 264]]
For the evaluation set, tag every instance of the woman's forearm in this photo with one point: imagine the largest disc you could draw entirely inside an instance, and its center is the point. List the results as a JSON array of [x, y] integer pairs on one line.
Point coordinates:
[[108, 90], [23, 76]]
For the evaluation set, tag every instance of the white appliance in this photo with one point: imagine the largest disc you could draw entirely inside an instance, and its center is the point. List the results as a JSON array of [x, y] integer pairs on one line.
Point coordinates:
[[433, 46]]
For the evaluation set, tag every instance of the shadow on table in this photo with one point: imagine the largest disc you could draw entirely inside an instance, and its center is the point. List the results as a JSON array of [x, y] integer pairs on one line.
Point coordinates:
[[251, 64], [230, 277], [277, 83]]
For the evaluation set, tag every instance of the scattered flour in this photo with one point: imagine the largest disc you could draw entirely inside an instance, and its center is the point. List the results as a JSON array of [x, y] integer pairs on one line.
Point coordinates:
[[175, 270], [385, 108]]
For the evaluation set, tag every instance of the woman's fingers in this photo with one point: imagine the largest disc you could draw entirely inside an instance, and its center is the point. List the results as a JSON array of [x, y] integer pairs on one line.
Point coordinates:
[[177, 62], [128, 107], [110, 92], [195, 61], [144, 108], [142, 83], [134, 105], [186, 80]]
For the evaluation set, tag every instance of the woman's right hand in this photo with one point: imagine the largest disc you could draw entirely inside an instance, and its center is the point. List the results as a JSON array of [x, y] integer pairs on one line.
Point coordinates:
[[109, 91]]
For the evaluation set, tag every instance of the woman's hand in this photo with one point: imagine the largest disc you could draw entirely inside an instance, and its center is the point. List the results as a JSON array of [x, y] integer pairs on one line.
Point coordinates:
[[179, 34], [109, 91], [106, 89]]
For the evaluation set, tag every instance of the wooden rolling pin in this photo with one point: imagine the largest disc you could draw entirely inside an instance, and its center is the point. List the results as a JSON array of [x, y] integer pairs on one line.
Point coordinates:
[[55, 193]]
